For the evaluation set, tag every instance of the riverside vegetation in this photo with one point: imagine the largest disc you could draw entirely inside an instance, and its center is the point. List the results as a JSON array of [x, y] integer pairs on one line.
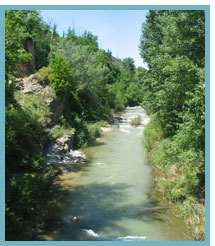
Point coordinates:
[[90, 85], [174, 93]]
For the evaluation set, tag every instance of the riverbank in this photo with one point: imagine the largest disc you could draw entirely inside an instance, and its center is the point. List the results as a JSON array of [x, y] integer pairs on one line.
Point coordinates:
[[176, 182], [67, 178], [191, 212]]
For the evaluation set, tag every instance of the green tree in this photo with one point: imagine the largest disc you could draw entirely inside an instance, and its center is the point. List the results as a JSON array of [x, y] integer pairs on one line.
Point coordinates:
[[60, 76], [172, 44], [32, 198], [15, 35]]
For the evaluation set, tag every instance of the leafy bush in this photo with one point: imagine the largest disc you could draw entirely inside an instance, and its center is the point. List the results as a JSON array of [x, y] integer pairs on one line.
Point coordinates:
[[32, 198], [22, 138], [60, 76], [94, 130], [102, 123], [58, 131], [44, 73], [81, 132], [63, 129], [136, 121], [36, 104], [152, 133]]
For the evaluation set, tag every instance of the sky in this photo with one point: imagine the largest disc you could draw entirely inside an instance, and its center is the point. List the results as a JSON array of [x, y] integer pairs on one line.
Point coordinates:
[[117, 30]]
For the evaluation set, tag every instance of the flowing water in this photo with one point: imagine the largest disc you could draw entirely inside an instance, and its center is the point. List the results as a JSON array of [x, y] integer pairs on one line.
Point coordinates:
[[110, 195]]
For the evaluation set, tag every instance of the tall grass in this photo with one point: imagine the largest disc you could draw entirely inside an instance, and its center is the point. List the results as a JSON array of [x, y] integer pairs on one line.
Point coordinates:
[[178, 176]]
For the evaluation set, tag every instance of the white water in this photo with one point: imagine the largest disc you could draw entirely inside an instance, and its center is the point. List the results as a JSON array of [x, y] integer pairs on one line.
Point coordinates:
[[91, 234]]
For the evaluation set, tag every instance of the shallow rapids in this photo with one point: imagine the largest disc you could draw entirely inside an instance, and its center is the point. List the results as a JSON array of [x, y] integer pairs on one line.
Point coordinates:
[[110, 195]]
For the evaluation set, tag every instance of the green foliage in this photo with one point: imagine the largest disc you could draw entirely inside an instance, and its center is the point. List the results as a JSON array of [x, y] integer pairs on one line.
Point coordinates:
[[22, 137], [32, 198], [87, 39], [179, 172], [175, 56], [136, 121], [89, 81], [15, 54], [110, 65], [128, 64], [60, 76], [36, 104], [93, 84], [116, 97], [44, 73], [57, 132], [133, 94], [89, 78], [101, 83], [192, 130], [22, 26], [172, 44], [152, 133], [102, 123], [94, 130], [35, 28], [81, 132], [63, 129]]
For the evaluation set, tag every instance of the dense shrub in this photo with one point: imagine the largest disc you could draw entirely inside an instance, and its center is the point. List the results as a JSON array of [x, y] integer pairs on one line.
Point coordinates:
[[30, 189], [36, 104], [173, 91], [152, 133], [136, 121], [44, 73], [94, 130]]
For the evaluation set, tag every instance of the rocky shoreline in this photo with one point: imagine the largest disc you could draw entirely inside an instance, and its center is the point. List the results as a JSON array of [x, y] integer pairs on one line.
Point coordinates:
[[61, 153]]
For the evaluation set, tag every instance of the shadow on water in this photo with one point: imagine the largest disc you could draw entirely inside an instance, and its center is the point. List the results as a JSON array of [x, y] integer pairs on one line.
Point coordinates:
[[73, 167], [96, 143], [100, 206]]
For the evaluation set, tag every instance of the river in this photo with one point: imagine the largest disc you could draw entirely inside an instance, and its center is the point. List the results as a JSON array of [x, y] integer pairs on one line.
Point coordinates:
[[110, 195]]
